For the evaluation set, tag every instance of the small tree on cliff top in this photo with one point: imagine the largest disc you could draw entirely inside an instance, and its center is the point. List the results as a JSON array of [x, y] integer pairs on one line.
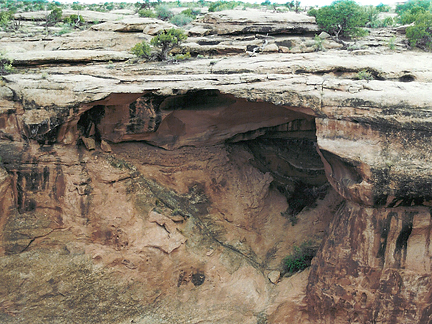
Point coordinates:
[[342, 19], [165, 41]]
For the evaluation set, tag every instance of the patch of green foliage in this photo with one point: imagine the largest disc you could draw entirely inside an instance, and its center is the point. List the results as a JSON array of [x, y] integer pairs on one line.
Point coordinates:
[[391, 43], [54, 16], [193, 13], [165, 41], [364, 75], [142, 50], [300, 259], [411, 10], [420, 34], [5, 64], [181, 19], [76, 20], [319, 46], [372, 14], [5, 18], [223, 5], [383, 7], [342, 19], [163, 12], [293, 5], [146, 13], [182, 57], [409, 5]]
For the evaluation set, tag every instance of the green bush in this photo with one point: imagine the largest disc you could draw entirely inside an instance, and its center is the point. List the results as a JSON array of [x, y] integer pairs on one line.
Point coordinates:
[[223, 5], [364, 75], [371, 13], [420, 34], [408, 6], [142, 50], [182, 57], [163, 12], [167, 40], [5, 64], [146, 13], [74, 20], [383, 7], [191, 13], [343, 19], [300, 259], [181, 19], [5, 18], [54, 16]]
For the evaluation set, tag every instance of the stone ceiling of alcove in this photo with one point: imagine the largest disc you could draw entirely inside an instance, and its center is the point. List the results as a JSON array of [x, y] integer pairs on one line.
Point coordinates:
[[195, 118]]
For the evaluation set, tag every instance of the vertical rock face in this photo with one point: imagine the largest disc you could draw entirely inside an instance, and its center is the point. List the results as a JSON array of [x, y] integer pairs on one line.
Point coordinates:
[[374, 267]]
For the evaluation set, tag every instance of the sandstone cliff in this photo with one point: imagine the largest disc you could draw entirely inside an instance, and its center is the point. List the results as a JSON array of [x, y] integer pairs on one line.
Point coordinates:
[[170, 193]]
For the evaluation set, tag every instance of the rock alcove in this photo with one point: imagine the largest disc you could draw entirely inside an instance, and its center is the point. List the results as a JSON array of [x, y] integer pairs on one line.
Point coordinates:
[[282, 140]]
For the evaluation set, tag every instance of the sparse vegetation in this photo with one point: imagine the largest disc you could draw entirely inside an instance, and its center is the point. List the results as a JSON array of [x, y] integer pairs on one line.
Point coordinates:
[[163, 12], [223, 5], [146, 13], [364, 75], [300, 259], [318, 43], [181, 19], [5, 64]]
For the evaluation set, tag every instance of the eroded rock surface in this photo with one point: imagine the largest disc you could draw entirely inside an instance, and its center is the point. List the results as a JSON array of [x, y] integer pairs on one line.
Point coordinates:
[[171, 193]]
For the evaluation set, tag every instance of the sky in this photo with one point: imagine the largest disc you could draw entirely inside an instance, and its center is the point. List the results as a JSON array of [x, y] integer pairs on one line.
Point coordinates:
[[303, 2]]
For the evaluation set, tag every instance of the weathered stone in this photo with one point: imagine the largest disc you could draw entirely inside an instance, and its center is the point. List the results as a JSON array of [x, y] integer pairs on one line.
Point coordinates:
[[105, 147], [89, 143], [274, 276]]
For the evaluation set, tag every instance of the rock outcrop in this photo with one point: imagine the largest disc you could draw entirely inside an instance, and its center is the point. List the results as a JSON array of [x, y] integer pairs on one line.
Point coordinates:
[[171, 193]]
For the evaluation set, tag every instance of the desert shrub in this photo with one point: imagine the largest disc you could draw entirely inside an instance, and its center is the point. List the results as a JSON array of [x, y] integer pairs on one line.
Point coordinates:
[[343, 19], [163, 12], [300, 259], [5, 64], [420, 34], [193, 13], [142, 50], [146, 13], [313, 12], [5, 18], [391, 43], [364, 75], [77, 6], [181, 19], [371, 13], [383, 7], [54, 16], [66, 29], [74, 20], [182, 57], [410, 5], [388, 21], [167, 40], [223, 5], [319, 46]]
